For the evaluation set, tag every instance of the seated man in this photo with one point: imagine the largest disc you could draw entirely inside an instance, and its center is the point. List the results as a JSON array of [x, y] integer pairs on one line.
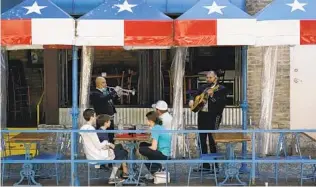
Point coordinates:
[[96, 150], [101, 124], [159, 149], [161, 108]]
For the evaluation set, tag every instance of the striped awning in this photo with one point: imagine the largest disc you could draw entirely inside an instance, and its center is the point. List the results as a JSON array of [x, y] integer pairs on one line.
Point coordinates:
[[36, 23], [125, 23], [214, 23], [287, 22]]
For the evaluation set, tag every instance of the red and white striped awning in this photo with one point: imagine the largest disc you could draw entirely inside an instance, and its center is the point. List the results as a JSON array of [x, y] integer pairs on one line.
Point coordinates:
[[214, 23], [35, 24], [287, 22], [125, 23]]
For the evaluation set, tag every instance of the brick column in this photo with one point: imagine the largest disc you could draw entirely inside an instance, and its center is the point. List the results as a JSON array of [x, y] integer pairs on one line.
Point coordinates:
[[281, 108]]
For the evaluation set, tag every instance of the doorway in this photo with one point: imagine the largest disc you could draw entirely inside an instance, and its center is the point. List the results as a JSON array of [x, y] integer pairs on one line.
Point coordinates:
[[302, 89]]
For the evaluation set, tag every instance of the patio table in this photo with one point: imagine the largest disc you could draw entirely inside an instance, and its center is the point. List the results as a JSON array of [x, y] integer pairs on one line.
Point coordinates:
[[131, 142], [28, 139], [230, 139]]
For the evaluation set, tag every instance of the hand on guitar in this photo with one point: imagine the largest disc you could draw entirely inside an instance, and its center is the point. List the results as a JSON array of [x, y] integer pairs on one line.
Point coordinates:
[[210, 92], [191, 102]]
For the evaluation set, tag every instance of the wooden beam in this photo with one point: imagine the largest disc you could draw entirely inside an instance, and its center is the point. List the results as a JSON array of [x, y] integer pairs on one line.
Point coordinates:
[[51, 102]]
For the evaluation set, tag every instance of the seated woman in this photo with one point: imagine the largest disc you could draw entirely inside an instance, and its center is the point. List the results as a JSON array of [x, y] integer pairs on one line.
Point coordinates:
[[96, 150], [159, 149]]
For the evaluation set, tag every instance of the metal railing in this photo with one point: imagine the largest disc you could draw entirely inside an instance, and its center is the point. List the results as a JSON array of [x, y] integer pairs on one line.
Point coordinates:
[[38, 118], [253, 160], [232, 116]]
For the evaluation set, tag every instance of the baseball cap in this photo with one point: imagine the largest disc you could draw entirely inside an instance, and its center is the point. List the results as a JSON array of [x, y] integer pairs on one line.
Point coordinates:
[[160, 105]]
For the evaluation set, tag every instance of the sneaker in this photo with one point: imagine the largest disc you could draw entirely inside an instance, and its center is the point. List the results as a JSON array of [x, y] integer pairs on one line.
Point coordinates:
[[115, 180], [125, 175], [149, 176]]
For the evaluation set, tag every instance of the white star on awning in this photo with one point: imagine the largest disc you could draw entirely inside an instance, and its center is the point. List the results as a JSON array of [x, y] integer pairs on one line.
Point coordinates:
[[214, 8], [297, 6], [125, 6], [34, 8]]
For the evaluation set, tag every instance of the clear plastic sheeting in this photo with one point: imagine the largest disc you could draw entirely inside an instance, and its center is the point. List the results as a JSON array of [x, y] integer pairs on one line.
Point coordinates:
[[3, 91], [85, 80], [270, 60], [177, 70]]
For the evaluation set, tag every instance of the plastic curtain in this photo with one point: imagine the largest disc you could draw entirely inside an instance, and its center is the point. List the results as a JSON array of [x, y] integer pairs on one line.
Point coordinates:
[[3, 92], [85, 80], [270, 60], [177, 72]]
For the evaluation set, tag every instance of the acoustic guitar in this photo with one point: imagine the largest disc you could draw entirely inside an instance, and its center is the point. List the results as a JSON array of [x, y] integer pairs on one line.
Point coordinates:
[[201, 100]]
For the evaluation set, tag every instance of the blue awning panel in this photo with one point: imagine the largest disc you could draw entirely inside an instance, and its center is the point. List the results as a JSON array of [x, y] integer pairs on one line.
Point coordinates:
[[214, 9], [125, 10], [35, 9], [288, 10]]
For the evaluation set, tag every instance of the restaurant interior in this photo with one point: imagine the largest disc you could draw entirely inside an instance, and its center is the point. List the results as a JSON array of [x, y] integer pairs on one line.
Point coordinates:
[[148, 72]]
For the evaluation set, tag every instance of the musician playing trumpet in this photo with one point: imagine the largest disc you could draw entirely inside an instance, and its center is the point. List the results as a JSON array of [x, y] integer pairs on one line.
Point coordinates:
[[101, 99], [210, 115]]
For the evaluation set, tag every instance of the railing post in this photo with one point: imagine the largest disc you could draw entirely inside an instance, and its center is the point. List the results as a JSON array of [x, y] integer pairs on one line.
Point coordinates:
[[253, 157], [244, 104], [74, 112]]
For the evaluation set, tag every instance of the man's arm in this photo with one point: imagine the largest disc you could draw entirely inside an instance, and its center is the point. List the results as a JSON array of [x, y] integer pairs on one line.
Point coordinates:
[[219, 99], [192, 97], [91, 138], [100, 97]]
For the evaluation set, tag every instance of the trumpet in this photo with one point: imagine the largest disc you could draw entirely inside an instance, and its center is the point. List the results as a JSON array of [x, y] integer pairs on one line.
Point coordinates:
[[120, 91]]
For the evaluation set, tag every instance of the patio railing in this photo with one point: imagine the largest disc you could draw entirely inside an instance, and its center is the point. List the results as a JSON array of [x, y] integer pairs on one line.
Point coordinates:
[[253, 159]]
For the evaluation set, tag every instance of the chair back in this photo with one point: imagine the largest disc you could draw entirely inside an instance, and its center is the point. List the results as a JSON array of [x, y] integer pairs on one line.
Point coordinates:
[[81, 147], [63, 140], [296, 138], [5, 146], [189, 145]]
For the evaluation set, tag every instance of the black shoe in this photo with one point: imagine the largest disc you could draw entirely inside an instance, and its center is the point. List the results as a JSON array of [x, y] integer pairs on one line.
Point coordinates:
[[104, 167], [110, 166]]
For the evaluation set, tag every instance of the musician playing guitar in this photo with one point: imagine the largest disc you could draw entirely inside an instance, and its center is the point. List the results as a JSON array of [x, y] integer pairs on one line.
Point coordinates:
[[210, 114]]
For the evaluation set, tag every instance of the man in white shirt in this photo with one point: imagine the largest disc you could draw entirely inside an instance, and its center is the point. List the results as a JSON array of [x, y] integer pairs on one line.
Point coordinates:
[[162, 110], [96, 150]]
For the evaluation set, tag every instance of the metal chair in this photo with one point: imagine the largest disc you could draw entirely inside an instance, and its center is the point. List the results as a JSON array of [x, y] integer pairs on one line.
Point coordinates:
[[6, 155], [311, 176], [281, 145], [200, 156], [63, 143], [95, 175]]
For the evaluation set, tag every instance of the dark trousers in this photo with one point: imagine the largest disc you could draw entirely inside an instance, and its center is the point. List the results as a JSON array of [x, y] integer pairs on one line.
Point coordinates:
[[207, 121], [151, 155], [120, 152], [111, 135]]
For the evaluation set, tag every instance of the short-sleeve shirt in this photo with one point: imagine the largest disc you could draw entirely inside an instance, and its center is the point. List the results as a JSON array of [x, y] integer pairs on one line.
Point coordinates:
[[163, 139], [166, 120]]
